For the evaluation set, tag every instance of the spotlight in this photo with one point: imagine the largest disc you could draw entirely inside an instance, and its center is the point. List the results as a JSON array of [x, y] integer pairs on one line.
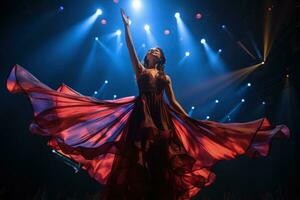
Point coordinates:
[[243, 100], [95, 92], [287, 75], [115, 96], [118, 32], [103, 21], [177, 15], [223, 26], [216, 101], [147, 27], [193, 107], [61, 8], [106, 81], [96, 38], [249, 84], [203, 41], [121, 44], [264, 103], [143, 45], [136, 4], [220, 50], [262, 62], [198, 16], [187, 53], [167, 32], [207, 117], [98, 12]]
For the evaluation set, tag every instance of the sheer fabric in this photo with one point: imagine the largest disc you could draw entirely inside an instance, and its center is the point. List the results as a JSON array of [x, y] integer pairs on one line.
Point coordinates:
[[139, 147]]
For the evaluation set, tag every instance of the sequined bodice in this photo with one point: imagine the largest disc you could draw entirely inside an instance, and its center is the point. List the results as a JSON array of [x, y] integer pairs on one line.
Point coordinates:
[[149, 83]]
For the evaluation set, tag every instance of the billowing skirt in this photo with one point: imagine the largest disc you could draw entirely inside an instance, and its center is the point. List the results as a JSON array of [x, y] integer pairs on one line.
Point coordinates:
[[135, 151]]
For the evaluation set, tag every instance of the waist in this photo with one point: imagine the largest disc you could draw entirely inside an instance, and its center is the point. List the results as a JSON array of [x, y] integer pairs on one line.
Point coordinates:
[[150, 92]]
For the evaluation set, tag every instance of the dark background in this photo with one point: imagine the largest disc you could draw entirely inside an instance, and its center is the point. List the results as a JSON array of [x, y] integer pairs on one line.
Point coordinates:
[[29, 170]]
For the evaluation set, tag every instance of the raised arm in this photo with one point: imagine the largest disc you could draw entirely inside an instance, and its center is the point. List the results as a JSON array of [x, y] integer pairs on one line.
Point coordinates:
[[137, 66], [171, 97]]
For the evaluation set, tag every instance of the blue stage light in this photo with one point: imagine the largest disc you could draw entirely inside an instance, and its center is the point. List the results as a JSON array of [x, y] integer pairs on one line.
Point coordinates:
[[203, 41], [177, 15], [193, 107], [147, 27], [249, 84], [207, 117], [243, 100], [136, 4], [106, 81], [143, 45], [115, 96], [220, 50], [61, 8], [118, 32], [98, 12], [216, 101], [223, 26], [96, 38], [95, 92], [187, 53], [263, 102]]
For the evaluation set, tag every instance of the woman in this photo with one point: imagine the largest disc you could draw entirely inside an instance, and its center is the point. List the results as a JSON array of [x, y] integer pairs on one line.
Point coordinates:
[[140, 147]]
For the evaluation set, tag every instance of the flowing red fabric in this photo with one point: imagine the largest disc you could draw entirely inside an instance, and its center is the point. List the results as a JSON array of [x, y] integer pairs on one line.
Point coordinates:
[[139, 147]]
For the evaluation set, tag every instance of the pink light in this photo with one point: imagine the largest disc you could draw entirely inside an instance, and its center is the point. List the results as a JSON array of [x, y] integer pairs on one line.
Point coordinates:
[[167, 32], [198, 16], [103, 21]]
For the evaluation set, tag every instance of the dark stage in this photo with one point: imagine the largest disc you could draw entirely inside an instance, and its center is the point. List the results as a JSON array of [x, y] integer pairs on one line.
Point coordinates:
[[229, 61]]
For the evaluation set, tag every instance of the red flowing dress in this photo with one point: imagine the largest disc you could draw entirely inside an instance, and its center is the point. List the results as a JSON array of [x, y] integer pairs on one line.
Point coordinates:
[[139, 147]]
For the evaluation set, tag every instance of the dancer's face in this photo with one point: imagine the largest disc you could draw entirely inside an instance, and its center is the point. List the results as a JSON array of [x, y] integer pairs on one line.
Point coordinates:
[[154, 54]]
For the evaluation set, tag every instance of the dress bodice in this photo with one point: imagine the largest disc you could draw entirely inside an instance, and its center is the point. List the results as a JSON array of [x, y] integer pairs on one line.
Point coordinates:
[[151, 90], [150, 83]]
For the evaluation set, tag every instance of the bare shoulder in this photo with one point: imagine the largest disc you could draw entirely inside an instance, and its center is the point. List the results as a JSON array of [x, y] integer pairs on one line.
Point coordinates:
[[167, 79], [141, 68]]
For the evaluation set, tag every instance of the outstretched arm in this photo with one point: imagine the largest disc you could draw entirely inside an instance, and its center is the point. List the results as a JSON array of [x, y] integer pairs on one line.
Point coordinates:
[[170, 94], [137, 66]]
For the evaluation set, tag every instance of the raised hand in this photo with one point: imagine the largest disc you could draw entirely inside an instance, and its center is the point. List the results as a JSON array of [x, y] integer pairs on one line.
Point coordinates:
[[137, 66], [124, 17]]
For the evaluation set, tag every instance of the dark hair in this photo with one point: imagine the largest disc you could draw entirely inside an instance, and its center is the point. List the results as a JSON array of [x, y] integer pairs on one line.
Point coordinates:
[[161, 62]]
